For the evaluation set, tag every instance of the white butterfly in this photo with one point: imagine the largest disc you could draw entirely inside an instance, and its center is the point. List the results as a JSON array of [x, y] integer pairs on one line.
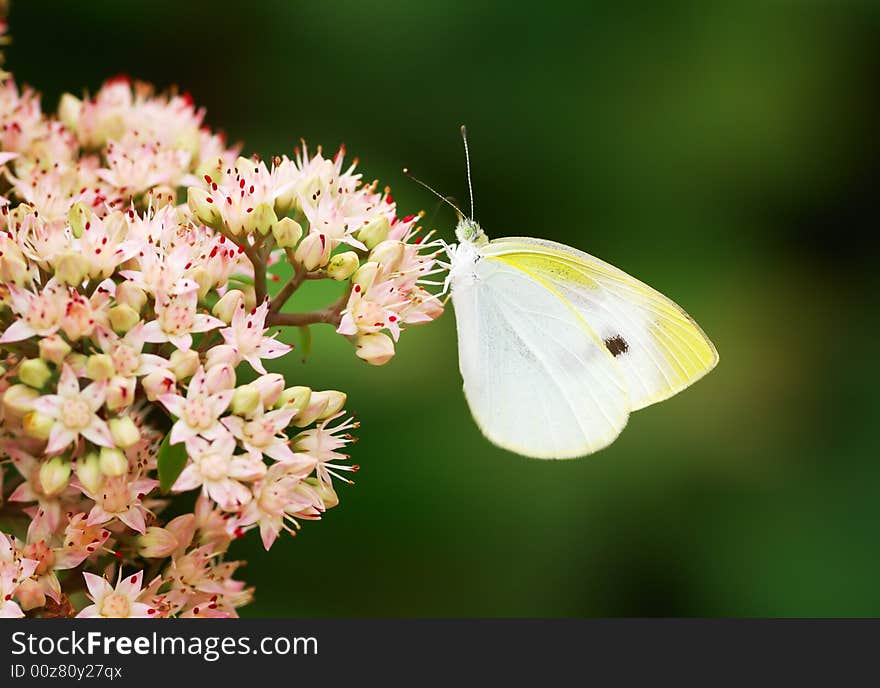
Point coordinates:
[[556, 347]]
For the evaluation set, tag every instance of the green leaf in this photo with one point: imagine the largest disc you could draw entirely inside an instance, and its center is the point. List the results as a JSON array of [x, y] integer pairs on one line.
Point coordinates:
[[172, 460]]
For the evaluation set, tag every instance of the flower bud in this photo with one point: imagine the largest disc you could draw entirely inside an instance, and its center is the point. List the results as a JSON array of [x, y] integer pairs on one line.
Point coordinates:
[[376, 348], [13, 266], [313, 251], [100, 367], [250, 297], [54, 349], [88, 471], [316, 408], [245, 400], [294, 397], [156, 543], [388, 254], [120, 392], [130, 294], [37, 425], [113, 462], [184, 364], [262, 219], [204, 279], [227, 305], [160, 381], [18, 400], [365, 275], [222, 354], [287, 232], [78, 217], [342, 266], [69, 109], [30, 595], [34, 372], [122, 318], [375, 232], [245, 166], [124, 431], [55, 476], [270, 386], [71, 268], [287, 200], [183, 528], [220, 377], [77, 363], [327, 494], [160, 196], [335, 402], [202, 206]]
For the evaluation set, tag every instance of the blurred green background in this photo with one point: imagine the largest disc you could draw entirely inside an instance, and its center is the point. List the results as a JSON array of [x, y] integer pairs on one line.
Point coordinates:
[[726, 153]]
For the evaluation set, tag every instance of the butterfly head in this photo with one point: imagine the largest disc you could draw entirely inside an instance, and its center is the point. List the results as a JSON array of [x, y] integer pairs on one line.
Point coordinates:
[[469, 231]]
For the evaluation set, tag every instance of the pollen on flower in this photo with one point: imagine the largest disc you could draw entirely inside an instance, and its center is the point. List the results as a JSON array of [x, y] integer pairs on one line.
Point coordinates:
[[135, 326]]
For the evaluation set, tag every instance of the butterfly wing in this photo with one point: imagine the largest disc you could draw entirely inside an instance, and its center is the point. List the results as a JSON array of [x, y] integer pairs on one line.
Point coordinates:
[[538, 380], [658, 347]]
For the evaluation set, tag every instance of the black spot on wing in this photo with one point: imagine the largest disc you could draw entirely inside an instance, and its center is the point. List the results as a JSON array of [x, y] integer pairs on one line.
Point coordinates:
[[616, 345]]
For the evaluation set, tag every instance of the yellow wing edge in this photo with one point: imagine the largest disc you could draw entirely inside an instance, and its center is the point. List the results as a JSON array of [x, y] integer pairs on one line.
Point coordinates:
[[509, 246]]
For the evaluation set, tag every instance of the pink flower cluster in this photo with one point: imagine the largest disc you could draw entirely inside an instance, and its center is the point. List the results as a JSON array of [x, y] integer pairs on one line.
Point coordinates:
[[136, 254]]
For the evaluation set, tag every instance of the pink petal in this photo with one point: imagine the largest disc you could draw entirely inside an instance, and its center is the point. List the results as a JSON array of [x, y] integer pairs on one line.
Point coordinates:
[[133, 517], [268, 533], [139, 610], [220, 401], [98, 433], [68, 386], [95, 394], [16, 332], [172, 402], [28, 566], [98, 587], [204, 323], [235, 425], [97, 516], [89, 612], [245, 468], [49, 404], [272, 348], [181, 432], [59, 438], [130, 586], [10, 610], [256, 364], [228, 493], [189, 479], [280, 452], [23, 493], [181, 341], [135, 337], [149, 363], [153, 333], [70, 557]]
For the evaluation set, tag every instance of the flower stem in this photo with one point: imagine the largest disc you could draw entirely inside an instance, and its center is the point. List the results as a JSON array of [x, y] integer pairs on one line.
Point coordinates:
[[287, 290], [329, 315]]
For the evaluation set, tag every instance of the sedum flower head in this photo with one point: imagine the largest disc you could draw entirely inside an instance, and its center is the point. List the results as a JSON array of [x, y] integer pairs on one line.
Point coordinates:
[[147, 271]]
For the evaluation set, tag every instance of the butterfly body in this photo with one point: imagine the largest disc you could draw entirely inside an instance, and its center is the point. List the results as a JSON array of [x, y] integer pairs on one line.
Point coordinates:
[[557, 347]]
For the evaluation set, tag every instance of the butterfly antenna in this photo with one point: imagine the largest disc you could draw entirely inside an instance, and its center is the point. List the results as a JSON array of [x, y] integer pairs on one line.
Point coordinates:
[[438, 195], [467, 160]]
